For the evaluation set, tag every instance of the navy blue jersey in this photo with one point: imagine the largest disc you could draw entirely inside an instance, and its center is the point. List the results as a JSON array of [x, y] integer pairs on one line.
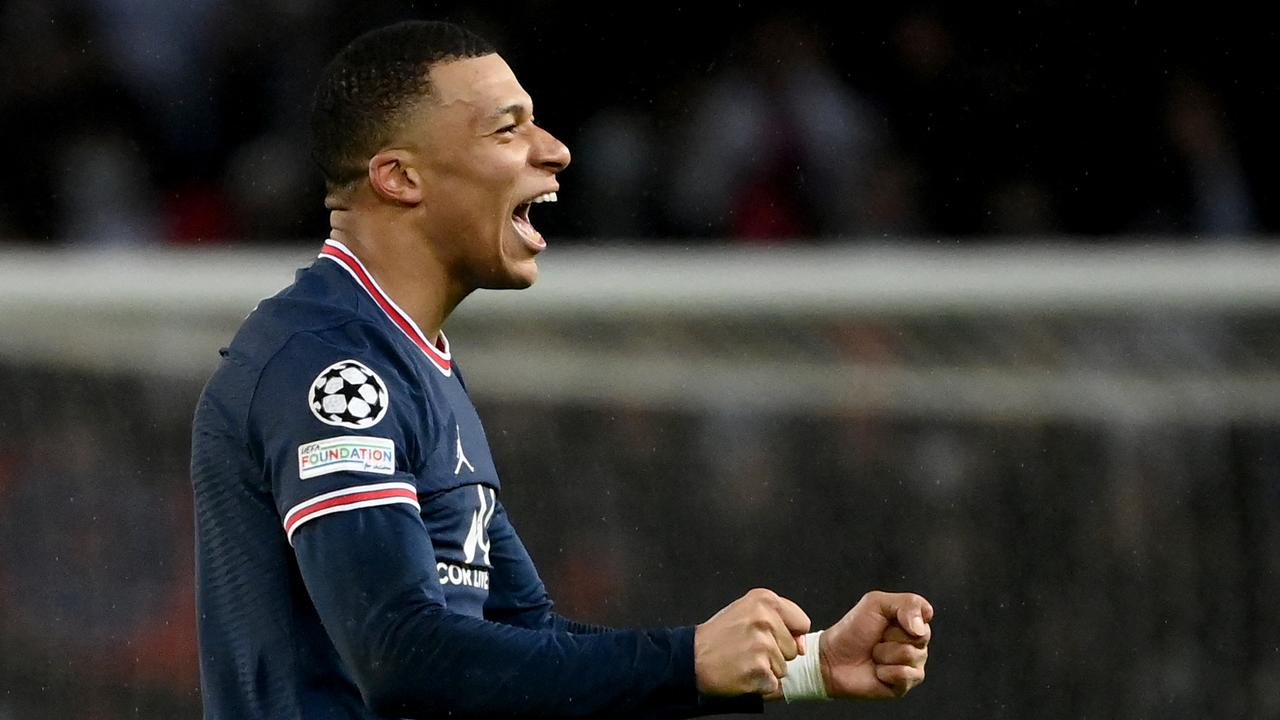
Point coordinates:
[[354, 559]]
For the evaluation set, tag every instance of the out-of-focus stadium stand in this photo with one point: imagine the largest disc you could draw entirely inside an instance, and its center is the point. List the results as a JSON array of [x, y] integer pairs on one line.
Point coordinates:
[[186, 122], [1072, 453]]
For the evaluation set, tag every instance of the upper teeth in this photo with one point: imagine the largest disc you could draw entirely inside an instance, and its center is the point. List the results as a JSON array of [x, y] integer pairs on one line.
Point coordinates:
[[547, 197]]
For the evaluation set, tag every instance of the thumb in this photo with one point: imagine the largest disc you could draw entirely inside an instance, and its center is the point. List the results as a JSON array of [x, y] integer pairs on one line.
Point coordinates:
[[906, 609], [793, 617], [910, 613]]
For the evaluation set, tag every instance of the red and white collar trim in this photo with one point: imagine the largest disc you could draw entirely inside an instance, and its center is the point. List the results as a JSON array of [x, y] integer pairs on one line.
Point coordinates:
[[347, 260]]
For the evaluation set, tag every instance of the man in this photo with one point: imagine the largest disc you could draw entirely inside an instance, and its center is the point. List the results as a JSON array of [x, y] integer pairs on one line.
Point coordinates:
[[354, 556]]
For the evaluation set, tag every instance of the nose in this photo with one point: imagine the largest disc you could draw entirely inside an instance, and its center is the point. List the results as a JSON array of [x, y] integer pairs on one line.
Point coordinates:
[[549, 153]]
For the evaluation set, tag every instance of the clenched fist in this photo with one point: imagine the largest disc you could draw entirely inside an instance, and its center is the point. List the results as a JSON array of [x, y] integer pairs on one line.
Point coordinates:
[[745, 647], [879, 648]]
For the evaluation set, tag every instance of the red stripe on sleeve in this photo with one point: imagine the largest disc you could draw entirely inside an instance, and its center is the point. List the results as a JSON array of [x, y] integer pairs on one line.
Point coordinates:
[[352, 499]]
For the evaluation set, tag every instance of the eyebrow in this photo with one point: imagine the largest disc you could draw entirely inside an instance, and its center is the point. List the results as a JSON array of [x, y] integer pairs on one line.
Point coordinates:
[[512, 109]]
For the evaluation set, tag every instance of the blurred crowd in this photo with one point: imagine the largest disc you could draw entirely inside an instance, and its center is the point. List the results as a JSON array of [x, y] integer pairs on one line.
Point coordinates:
[[153, 121], [1059, 554]]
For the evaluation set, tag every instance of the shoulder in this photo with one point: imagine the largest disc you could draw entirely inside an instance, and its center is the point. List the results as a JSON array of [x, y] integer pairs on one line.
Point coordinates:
[[335, 388], [348, 372], [316, 327], [317, 302], [321, 315]]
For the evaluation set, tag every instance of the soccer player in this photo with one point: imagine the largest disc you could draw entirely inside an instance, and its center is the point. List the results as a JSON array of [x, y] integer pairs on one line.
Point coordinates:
[[355, 559]]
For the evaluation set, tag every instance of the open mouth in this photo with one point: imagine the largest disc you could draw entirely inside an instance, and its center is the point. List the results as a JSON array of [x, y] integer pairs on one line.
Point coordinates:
[[524, 228]]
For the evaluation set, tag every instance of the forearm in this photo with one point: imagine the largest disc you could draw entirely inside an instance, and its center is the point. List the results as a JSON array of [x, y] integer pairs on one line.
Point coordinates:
[[411, 657], [518, 597], [434, 662], [693, 706]]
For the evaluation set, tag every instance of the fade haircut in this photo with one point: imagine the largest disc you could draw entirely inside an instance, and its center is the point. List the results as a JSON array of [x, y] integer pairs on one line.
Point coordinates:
[[368, 88]]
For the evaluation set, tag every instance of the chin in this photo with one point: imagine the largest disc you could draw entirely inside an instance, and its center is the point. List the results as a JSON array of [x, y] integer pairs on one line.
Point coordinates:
[[516, 269], [526, 277], [513, 276]]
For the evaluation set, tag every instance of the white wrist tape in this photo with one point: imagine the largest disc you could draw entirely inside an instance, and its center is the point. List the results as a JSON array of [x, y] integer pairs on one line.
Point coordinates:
[[804, 674]]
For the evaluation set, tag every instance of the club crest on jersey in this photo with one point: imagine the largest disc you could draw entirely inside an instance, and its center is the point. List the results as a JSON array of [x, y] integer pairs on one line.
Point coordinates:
[[348, 394]]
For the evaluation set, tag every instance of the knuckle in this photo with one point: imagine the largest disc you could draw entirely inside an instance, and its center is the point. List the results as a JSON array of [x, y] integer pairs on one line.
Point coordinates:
[[763, 595], [758, 645]]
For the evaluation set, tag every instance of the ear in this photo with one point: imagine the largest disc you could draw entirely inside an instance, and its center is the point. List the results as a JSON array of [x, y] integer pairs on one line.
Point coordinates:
[[393, 177]]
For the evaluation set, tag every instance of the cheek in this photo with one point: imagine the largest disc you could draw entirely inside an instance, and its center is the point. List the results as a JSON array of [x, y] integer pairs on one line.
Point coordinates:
[[489, 195], [472, 198], [464, 207], [499, 171]]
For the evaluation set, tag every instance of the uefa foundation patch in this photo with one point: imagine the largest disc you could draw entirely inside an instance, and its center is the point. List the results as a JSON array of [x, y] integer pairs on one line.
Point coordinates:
[[350, 453]]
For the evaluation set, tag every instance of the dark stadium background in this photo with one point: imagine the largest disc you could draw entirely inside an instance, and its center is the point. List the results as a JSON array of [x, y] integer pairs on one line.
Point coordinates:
[[1060, 592], [998, 118]]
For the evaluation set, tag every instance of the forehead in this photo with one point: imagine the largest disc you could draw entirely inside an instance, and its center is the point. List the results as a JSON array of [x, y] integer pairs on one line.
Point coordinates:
[[477, 86]]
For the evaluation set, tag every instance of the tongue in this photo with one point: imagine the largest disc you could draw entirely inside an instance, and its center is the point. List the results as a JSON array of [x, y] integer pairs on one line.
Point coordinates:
[[525, 229]]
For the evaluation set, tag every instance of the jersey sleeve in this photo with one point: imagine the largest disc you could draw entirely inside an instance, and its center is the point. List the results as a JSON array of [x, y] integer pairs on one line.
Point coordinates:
[[517, 596], [370, 578], [331, 425], [342, 464]]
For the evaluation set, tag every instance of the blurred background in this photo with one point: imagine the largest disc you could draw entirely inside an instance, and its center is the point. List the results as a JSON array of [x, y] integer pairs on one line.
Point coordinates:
[[982, 303]]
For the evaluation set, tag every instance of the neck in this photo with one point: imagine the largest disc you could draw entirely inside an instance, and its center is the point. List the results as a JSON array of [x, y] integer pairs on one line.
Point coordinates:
[[405, 266]]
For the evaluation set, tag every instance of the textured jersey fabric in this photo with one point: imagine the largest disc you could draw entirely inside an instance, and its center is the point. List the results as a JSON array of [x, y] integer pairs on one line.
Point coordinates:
[[354, 559]]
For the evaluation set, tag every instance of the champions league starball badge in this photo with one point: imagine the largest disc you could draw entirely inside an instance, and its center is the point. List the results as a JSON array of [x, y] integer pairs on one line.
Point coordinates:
[[349, 394]]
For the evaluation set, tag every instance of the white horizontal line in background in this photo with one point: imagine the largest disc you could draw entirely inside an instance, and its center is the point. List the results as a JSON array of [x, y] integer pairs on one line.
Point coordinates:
[[167, 312], [916, 277]]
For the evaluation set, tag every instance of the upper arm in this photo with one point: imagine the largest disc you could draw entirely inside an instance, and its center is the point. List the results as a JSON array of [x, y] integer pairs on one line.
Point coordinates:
[[331, 426], [336, 432]]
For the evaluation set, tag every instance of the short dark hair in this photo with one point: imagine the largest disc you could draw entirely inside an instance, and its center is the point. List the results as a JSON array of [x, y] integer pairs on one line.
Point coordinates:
[[368, 86]]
